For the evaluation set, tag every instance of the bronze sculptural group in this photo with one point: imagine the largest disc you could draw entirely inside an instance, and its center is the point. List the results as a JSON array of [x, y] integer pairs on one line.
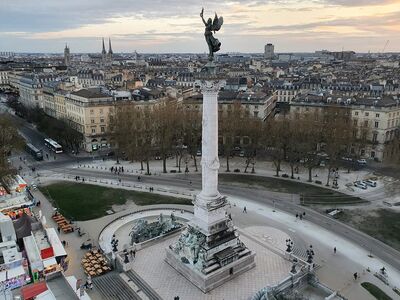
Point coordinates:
[[213, 43]]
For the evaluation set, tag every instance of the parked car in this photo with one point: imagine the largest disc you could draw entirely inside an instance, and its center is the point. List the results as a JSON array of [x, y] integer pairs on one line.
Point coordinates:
[[360, 185], [362, 161], [198, 153], [370, 182], [241, 154]]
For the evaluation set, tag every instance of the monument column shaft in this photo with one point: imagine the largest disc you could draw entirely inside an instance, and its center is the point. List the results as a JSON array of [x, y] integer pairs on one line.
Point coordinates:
[[209, 157]]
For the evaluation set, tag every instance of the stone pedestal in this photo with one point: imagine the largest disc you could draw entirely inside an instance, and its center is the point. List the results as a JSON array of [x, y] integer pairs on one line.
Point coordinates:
[[209, 252]]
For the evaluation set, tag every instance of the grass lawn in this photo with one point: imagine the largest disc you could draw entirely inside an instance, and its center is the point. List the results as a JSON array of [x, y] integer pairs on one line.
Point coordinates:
[[375, 291], [311, 194], [382, 224], [85, 201]]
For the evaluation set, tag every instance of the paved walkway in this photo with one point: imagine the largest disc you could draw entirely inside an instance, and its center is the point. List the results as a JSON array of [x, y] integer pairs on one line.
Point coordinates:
[[386, 190], [336, 269]]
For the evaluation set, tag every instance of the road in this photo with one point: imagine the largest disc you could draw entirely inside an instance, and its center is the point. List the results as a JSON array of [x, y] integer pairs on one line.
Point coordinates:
[[283, 202]]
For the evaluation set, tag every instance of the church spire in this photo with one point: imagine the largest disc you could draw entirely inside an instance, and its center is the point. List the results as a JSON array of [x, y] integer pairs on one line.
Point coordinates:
[[109, 46], [104, 48]]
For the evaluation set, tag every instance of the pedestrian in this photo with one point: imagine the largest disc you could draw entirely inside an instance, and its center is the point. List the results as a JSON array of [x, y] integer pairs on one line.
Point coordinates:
[[59, 229], [190, 182], [119, 179], [301, 217], [134, 253], [334, 250], [112, 169], [138, 178], [297, 215], [122, 169], [304, 213], [355, 276], [245, 210]]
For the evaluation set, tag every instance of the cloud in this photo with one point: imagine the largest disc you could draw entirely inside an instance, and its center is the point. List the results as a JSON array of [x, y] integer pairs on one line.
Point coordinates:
[[358, 2]]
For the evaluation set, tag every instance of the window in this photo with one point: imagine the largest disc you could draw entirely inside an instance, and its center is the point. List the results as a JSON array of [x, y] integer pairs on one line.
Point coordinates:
[[376, 124], [356, 113], [374, 137], [377, 115], [91, 111], [101, 110], [367, 114], [366, 123], [101, 120], [355, 121], [92, 121], [93, 130], [103, 129], [256, 114]]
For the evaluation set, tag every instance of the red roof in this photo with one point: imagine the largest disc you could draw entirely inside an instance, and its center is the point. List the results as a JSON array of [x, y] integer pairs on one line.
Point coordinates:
[[32, 290], [47, 253]]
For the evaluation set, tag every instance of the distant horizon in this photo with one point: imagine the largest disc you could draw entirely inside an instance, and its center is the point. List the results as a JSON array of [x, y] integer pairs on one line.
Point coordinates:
[[157, 26], [202, 53]]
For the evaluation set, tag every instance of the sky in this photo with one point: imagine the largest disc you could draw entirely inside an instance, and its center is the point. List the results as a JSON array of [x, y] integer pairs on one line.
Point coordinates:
[[159, 26]]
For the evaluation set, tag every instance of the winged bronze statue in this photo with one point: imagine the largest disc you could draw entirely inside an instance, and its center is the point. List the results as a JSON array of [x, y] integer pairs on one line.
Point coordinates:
[[212, 26]]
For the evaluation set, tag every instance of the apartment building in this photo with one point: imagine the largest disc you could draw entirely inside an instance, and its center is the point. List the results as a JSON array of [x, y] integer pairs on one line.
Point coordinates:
[[88, 112], [380, 116], [257, 104]]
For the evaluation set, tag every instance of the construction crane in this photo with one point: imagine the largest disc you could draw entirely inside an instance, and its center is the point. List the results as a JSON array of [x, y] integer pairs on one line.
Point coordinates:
[[384, 47]]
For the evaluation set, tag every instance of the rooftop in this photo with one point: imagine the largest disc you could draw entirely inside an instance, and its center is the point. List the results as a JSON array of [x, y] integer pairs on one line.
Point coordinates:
[[90, 93]]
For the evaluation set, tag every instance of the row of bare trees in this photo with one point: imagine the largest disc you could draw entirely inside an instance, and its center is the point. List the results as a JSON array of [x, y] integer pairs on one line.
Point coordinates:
[[10, 140], [144, 132], [308, 139]]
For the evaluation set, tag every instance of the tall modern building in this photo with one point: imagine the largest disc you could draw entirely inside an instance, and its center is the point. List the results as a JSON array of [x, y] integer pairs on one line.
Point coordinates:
[[269, 51], [67, 55]]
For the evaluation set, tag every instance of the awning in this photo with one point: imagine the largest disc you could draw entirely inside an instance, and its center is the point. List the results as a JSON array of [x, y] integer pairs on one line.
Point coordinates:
[[15, 272], [49, 262], [47, 252], [32, 290]]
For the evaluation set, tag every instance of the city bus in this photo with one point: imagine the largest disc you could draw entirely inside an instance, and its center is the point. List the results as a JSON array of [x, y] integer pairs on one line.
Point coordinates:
[[53, 145], [35, 152]]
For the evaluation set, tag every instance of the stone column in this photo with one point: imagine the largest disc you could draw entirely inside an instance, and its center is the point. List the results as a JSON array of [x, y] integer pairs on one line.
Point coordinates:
[[209, 157]]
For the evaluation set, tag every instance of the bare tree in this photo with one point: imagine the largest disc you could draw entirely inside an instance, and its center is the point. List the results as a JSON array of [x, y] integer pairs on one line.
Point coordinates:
[[9, 140], [337, 134], [252, 132], [192, 133], [230, 128], [131, 128], [275, 139], [165, 122]]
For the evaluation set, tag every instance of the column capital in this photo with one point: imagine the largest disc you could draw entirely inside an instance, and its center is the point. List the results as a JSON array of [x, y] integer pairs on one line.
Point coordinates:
[[211, 86]]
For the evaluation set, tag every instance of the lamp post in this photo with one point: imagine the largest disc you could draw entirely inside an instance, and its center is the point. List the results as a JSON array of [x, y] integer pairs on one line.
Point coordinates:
[[310, 255], [289, 245]]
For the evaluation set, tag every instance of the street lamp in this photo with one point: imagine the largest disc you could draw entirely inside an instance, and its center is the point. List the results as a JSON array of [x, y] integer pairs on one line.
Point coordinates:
[[289, 245], [310, 255]]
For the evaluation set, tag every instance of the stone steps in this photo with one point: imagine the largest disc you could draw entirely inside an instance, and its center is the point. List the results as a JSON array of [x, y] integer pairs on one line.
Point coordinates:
[[112, 287], [143, 285]]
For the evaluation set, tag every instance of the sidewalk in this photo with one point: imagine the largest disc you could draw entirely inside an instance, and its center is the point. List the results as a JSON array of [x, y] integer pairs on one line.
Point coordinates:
[[386, 189]]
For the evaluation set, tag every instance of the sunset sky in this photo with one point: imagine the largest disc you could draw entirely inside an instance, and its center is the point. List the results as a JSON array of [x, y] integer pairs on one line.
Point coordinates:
[[175, 26]]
